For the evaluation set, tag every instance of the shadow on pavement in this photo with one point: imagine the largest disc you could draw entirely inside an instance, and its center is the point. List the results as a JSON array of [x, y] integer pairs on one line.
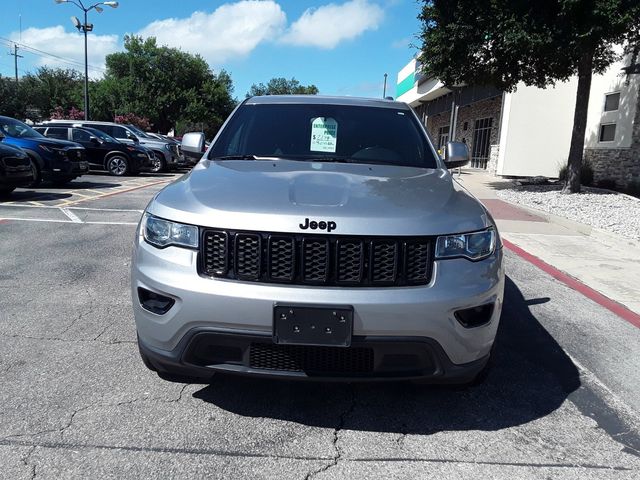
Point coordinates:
[[532, 377], [32, 195]]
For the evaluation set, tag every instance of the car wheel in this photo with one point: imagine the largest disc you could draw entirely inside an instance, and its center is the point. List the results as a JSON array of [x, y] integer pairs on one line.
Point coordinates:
[[159, 164], [37, 175], [117, 165]]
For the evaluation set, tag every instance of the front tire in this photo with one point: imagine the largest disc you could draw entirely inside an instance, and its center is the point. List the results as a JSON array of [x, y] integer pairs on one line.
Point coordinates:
[[117, 165], [37, 174]]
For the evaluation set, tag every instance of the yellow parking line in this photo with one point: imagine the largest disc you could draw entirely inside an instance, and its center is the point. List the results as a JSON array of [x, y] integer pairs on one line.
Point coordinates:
[[37, 203], [94, 191]]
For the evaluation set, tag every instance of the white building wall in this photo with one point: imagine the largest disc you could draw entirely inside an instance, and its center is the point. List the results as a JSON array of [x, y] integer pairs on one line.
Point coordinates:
[[536, 130], [612, 81]]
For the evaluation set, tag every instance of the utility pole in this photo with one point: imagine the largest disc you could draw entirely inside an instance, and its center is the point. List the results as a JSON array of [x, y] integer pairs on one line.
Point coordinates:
[[16, 56], [384, 89]]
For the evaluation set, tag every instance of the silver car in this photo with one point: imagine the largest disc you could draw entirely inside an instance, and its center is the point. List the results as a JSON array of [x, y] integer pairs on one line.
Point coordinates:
[[319, 238]]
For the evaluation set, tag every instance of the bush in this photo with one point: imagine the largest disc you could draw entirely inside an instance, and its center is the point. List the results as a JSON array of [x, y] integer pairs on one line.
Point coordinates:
[[608, 183], [586, 173]]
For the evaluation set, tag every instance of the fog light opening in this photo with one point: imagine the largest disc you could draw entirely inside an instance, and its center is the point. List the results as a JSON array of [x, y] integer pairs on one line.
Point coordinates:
[[154, 302], [475, 316]]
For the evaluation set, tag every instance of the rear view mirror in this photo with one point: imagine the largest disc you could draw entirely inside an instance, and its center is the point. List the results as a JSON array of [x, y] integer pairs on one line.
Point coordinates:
[[193, 144], [456, 154]]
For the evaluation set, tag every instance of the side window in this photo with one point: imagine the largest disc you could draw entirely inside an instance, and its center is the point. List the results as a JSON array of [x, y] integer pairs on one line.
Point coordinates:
[[108, 129], [80, 135], [118, 132], [57, 132]]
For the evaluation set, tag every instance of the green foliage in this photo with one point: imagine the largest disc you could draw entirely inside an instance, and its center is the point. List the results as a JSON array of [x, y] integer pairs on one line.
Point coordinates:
[[586, 173], [504, 42], [281, 86], [164, 84]]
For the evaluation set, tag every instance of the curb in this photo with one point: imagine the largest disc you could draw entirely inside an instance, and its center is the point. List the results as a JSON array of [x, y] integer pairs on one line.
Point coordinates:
[[575, 284]]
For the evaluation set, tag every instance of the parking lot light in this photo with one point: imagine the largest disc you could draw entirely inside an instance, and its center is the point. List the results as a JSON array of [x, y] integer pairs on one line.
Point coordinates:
[[86, 27]]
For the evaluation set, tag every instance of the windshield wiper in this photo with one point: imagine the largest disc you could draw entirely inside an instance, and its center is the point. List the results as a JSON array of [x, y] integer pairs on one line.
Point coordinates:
[[235, 157], [331, 159]]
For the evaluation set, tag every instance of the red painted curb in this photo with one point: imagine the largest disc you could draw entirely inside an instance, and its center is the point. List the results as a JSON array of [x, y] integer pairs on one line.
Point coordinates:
[[611, 305]]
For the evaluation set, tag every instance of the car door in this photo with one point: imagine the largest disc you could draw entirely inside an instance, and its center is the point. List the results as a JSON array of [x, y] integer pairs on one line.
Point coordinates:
[[95, 152]]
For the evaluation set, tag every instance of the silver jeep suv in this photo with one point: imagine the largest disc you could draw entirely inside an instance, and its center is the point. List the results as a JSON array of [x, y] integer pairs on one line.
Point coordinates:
[[319, 238]]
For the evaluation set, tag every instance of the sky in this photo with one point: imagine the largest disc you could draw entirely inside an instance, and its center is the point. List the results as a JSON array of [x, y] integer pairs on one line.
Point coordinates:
[[344, 47]]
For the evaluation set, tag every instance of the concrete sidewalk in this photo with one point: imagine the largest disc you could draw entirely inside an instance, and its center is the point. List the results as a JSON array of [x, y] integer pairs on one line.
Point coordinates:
[[607, 263]]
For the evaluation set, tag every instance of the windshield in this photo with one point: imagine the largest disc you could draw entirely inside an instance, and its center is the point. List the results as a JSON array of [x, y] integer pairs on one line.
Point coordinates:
[[317, 132], [139, 132], [15, 128], [102, 136]]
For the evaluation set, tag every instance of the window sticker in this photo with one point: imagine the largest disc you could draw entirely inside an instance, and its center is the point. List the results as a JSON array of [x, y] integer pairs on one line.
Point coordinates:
[[324, 135]]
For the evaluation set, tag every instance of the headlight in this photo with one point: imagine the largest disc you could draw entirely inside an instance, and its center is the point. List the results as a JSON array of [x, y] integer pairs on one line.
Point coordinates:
[[474, 246], [162, 233], [167, 146], [57, 151]]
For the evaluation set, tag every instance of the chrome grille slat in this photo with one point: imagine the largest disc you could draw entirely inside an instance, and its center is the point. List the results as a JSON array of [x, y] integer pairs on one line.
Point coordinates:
[[330, 260]]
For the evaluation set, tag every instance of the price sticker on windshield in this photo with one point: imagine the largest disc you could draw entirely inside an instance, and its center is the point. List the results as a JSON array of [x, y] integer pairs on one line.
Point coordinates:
[[324, 135]]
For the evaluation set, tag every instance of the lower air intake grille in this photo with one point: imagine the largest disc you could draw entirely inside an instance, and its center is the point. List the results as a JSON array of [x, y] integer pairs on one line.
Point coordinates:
[[317, 360]]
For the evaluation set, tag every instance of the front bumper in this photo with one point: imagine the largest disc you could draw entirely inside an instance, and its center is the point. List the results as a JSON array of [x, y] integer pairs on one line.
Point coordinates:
[[419, 314], [203, 352], [15, 176]]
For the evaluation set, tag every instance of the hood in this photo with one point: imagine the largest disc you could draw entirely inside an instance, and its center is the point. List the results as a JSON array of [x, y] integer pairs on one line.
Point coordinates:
[[152, 143], [360, 199]]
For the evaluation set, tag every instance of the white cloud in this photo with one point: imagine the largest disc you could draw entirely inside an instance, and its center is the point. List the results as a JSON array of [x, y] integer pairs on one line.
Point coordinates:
[[328, 25], [67, 45], [230, 31]]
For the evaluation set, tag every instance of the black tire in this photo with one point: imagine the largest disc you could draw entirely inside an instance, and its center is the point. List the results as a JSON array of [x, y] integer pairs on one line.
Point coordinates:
[[157, 165], [117, 165], [164, 167], [37, 174], [6, 191]]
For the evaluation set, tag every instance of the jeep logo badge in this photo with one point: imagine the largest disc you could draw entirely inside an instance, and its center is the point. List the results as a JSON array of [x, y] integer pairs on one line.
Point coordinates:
[[322, 225]]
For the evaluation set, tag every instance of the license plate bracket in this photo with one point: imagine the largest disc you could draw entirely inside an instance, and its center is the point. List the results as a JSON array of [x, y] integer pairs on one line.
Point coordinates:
[[314, 325]]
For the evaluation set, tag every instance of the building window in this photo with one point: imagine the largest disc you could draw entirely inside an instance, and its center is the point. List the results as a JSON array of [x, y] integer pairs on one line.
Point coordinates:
[[607, 132], [443, 136], [611, 102]]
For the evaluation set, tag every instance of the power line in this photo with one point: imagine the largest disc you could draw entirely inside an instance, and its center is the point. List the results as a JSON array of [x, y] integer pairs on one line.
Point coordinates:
[[42, 53]]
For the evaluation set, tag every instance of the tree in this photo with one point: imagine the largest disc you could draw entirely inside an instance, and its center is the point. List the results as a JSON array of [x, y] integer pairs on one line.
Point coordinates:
[[165, 85], [281, 86], [505, 42]]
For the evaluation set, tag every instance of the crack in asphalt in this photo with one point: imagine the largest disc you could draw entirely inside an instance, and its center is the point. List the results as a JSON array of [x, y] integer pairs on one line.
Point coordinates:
[[227, 453], [25, 460], [336, 437], [63, 429]]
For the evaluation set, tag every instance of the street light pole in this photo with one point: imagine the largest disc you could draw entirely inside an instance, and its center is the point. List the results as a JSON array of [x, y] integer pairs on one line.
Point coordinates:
[[86, 69], [86, 27], [384, 89]]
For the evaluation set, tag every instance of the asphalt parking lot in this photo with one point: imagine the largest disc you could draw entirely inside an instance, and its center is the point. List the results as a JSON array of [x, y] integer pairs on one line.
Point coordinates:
[[77, 402]]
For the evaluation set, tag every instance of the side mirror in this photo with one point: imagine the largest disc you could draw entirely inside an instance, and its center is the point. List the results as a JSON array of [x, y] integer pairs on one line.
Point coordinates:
[[131, 136], [95, 140], [456, 154], [193, 144]]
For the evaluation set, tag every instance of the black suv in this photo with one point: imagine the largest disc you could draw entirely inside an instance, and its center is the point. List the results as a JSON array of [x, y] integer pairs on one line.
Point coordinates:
[[103, 151], [15, 169]]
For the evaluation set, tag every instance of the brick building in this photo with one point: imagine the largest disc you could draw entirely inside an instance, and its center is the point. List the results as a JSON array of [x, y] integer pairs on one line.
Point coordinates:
[[528, 132]]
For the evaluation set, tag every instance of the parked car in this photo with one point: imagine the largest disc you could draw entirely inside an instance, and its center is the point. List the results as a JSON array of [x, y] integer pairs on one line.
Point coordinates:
[[319, 237], [182, 162], [167, 153], [15, 168], [104, 152], [57, 160]]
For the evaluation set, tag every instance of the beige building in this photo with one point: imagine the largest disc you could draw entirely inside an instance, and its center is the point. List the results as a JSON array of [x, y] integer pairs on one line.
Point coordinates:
[[528, 132]]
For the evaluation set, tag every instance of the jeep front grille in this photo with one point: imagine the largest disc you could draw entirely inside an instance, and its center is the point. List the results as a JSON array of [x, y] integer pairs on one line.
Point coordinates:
[[316, 259]]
